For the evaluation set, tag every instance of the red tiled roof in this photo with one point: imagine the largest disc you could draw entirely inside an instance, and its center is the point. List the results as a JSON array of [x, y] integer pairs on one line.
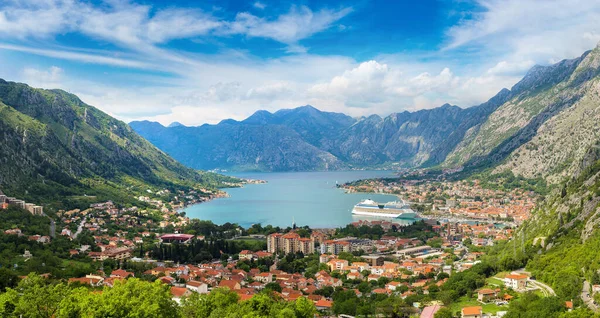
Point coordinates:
[[324, 303], [475, 310]]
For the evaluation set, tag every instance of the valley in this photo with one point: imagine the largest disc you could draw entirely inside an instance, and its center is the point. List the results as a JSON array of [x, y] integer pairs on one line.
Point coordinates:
[[507, 193]]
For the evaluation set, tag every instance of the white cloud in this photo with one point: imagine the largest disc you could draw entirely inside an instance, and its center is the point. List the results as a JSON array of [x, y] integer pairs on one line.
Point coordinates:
[[221, 92], [272, 91], [511, 68], [529, 29], [139, 26], [507, 38], [300, 23], [376, 86], [49, 78], [78, 56], [362, 86], [259, 5]]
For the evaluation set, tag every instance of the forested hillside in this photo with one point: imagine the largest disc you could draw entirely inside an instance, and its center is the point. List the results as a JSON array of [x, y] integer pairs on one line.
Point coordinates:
[[54, 146]]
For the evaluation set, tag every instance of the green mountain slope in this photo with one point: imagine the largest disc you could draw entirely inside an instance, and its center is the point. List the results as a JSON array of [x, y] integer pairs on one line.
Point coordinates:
[[560, 242], [54, 146]]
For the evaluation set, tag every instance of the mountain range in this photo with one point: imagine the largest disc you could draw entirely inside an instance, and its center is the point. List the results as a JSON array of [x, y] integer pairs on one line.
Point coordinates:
[[306, 138], [541, 127], [55, 148]]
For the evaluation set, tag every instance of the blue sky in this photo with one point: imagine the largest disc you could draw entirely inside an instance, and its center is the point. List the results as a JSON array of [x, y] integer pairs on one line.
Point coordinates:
[[204, 61]]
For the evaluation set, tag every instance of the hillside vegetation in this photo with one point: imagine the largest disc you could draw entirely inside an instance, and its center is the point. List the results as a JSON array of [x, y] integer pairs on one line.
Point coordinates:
[[55, 147]]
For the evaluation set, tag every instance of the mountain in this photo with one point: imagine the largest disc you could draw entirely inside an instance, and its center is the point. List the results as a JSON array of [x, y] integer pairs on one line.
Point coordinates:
[[559, 243], [263, 141], [306, 138], [540, 128], [55, 147], [175, 124], [404, 137], [545, 128]]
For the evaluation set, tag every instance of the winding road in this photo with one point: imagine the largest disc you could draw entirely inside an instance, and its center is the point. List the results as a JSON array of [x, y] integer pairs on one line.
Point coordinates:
[[586, 296], [80, 227], [547, 290]]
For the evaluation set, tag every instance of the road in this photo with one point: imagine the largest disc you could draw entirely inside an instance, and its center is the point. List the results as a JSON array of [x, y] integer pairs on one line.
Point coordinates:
[[585, 296], [547, 290], [80, 227], [52, 228]]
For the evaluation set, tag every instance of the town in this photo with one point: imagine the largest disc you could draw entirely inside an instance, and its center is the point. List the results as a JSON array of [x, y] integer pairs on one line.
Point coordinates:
[[366, 258], [460, 200]]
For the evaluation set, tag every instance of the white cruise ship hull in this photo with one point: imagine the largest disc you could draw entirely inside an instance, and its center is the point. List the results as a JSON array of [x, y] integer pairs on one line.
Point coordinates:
[[398, 210], [380, 214]]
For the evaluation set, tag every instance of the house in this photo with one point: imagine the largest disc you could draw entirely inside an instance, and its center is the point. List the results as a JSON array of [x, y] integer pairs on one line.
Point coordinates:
[[569, 305], [516, 281], [392, 285], [472, 312], [263, 277], [231, 284], [323, 304], [121, 273], [196, 286], [246, 255], [354, 275], [485, 295], [337, 264], [179, 292], [92, 280]]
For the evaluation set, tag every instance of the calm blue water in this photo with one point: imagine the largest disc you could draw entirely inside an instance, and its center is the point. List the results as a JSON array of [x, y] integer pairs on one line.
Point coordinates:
[[309, 198]]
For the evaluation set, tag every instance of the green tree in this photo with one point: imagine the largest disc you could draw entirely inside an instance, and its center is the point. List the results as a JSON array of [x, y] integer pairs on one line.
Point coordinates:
[[135, 298], [443, 313], [304, 308]]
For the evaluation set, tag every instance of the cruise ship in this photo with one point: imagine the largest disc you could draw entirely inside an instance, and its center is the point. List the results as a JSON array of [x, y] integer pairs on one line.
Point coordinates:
[[394, 209]]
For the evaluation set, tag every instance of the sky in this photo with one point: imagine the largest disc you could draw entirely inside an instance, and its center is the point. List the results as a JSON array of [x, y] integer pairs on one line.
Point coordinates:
[[204, 61]]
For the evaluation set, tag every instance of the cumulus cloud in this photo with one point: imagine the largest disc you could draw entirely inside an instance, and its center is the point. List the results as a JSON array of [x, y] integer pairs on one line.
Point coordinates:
[[259, 5], [372, 83], [507, 37], [361, 86], [50, 77], [271, 91]]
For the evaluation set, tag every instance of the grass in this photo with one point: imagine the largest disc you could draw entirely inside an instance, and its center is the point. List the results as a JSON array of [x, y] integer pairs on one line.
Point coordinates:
[[501, 275], [495, 281], [488, 308]]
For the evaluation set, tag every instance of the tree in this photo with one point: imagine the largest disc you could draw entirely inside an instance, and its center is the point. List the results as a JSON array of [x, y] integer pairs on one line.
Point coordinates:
[[273, 286], [304, 308], [7, 279], [38, 298], [135, 298], [443, 313]]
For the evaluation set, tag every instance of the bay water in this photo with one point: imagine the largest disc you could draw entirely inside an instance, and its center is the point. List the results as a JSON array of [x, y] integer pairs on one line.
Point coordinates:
[[308, 198]]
